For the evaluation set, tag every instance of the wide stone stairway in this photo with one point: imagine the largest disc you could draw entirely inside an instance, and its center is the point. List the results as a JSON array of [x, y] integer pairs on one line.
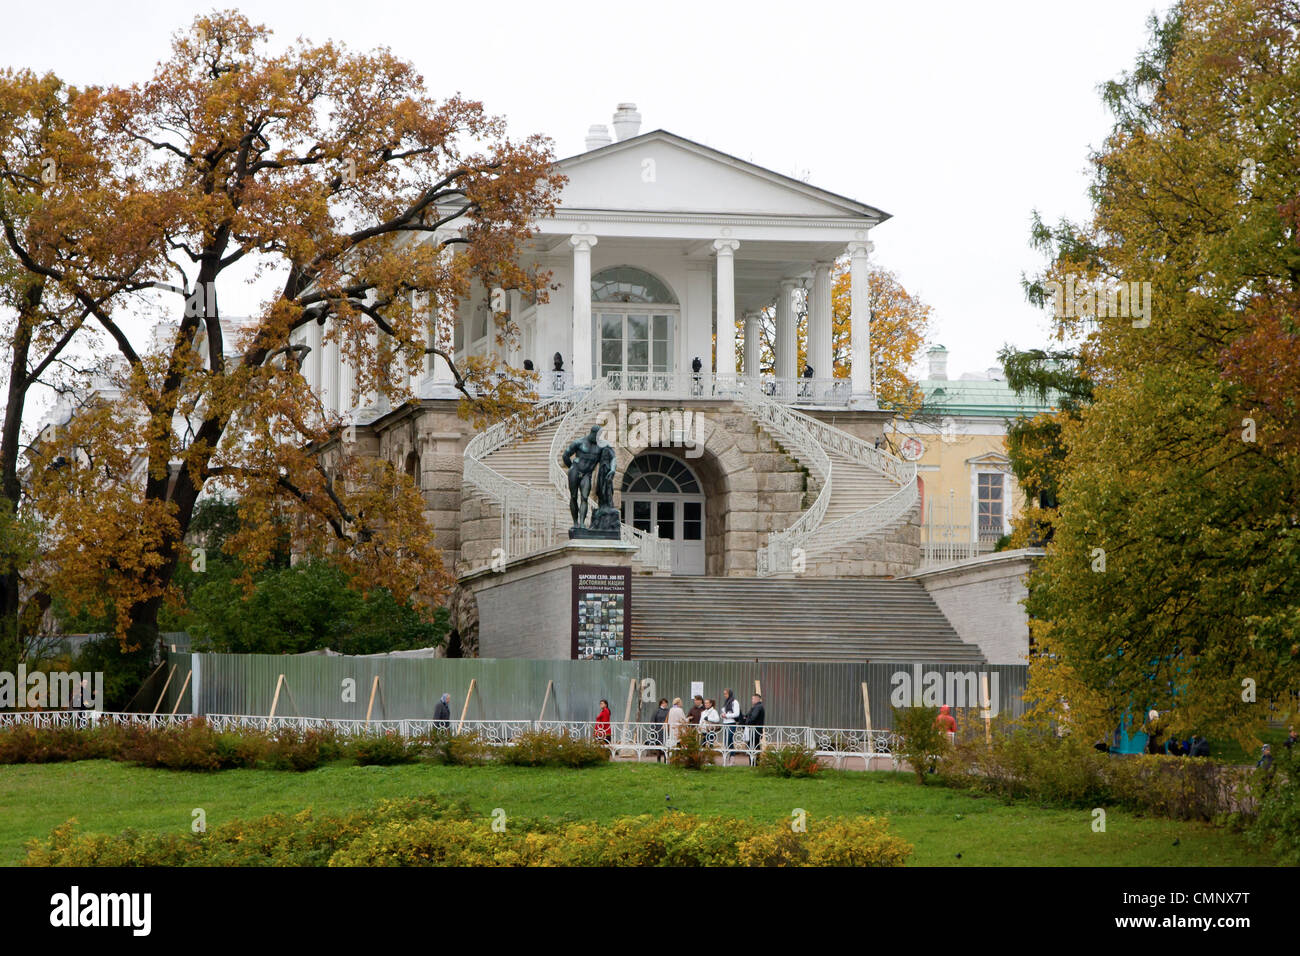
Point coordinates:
[[807, 619]]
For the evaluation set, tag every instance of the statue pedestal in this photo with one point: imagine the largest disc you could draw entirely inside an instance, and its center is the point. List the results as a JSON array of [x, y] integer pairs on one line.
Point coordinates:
[[528, 609], [604, 526]]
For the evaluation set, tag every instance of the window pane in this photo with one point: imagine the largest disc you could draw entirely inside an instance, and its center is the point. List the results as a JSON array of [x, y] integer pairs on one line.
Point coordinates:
[[690, 531], [641, 516], [691, 510], [666, 513], [638, 327], [638, 356], [611, 353]]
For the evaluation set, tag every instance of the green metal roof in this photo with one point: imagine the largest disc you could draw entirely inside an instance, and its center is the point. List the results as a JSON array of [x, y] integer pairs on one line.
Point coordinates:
[[979, 399]]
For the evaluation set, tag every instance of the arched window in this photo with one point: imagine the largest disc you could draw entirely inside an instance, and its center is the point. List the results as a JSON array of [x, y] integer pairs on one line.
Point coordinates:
[[633, 320], [630, 284], [659, 474]]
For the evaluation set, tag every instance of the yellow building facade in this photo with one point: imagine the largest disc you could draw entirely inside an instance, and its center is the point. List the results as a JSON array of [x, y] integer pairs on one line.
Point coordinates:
[[968, 495]]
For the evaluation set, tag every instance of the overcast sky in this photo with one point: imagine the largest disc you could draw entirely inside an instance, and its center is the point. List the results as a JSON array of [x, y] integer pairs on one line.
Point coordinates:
[[955, 117]]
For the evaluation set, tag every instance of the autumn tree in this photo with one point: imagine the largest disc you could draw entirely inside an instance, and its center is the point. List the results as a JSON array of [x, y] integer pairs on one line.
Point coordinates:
[[359, 202], [1171, 578], [64, 211]]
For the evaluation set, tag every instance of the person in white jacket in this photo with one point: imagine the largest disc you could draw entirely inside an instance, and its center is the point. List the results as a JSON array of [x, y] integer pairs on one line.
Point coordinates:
[[710, 721], [730, 717]]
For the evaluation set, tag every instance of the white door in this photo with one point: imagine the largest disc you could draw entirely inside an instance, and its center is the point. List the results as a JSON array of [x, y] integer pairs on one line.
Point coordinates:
[[661, 496]]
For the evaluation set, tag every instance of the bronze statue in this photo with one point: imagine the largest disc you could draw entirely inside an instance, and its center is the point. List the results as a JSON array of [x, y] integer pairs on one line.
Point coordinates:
[[581, 458]]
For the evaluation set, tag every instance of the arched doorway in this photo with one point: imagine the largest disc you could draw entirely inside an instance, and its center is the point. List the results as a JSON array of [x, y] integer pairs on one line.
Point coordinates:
[[662, 496]]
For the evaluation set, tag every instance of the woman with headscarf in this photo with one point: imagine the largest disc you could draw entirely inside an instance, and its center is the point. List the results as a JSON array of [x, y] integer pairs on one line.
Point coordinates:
[[676, 721]]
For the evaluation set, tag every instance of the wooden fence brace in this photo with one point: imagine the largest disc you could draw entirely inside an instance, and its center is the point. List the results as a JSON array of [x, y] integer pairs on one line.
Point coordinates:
[[275, 701], [166, 684], [188, 675], [374, 687], [473, 682], [546, 699]]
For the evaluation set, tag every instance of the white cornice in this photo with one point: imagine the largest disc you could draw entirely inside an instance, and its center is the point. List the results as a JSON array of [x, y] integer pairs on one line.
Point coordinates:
[[704, 219]]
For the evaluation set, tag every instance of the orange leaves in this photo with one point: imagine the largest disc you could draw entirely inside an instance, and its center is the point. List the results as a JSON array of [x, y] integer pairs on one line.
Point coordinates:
[[337, 173]]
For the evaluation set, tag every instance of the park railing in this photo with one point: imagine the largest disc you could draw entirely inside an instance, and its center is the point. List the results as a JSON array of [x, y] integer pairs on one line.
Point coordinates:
[[625, 738]]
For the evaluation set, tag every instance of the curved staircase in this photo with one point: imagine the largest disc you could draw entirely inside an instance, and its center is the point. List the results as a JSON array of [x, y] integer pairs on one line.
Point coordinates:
[[864, 492]]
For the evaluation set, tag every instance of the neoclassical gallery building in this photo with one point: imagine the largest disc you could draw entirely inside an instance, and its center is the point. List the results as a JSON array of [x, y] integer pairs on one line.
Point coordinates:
[[761, 515]]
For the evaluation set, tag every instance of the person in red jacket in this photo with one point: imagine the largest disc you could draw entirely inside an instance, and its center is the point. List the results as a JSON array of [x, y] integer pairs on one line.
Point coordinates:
[[945, 721], [602, 721]]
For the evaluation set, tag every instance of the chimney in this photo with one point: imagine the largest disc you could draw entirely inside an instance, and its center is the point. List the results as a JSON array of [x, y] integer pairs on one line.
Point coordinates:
[[627, 121], [598, 136], [938, 362]]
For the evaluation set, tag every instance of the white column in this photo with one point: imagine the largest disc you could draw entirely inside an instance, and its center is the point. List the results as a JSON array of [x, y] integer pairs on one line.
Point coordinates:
[[753, 344], [726, 340], [315, 359], [860, 317], [332, 372], [819, 322], [581, 360], [787, 345]]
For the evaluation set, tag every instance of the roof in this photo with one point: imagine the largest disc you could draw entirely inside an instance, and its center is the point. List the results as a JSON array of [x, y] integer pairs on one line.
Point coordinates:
[[980, 398], [850, 206]]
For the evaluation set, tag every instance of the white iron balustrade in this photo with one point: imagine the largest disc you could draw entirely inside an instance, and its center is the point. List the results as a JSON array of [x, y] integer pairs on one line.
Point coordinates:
[[625, 738]]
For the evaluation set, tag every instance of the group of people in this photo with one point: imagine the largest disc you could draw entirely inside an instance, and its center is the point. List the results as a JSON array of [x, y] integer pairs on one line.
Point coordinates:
[[716, 722], [1193, 746]]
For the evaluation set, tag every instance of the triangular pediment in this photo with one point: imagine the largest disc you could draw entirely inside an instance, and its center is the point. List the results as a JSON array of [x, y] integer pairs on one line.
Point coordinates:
[[662, 172], [992, 458]]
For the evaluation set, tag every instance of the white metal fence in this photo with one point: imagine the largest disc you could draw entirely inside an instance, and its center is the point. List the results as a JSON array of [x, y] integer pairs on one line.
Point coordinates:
[[637, 740]]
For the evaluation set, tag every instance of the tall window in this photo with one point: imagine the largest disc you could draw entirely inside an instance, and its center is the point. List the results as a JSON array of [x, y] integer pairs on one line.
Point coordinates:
[[990, 504], [633, 319]]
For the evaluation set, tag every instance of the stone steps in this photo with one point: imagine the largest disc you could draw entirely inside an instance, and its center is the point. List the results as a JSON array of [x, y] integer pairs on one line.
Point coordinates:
[[804, 619]]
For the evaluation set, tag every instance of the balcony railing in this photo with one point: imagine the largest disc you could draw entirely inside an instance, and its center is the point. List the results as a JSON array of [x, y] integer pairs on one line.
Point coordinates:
[[687, 385]]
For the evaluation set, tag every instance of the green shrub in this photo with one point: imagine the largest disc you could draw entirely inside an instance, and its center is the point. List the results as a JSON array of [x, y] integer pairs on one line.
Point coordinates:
[[1066, 771], [856, 842], [190, 746], [1277, 822], [423, 832], [542, 748], [921, 743], [291, 749], [383, 750], [793, 760], [446, 747], [692, 751]]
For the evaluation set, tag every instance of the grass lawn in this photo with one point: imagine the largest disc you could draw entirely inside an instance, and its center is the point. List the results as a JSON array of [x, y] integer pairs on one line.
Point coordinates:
[[947, 827]]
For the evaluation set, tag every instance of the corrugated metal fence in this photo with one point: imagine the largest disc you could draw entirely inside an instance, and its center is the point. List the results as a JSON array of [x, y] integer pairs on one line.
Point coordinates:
[[795, 694]]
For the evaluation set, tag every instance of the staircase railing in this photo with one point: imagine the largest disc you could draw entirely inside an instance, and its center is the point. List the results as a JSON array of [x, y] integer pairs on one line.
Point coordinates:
[[810, 439], [788, 425], [529, 516]]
